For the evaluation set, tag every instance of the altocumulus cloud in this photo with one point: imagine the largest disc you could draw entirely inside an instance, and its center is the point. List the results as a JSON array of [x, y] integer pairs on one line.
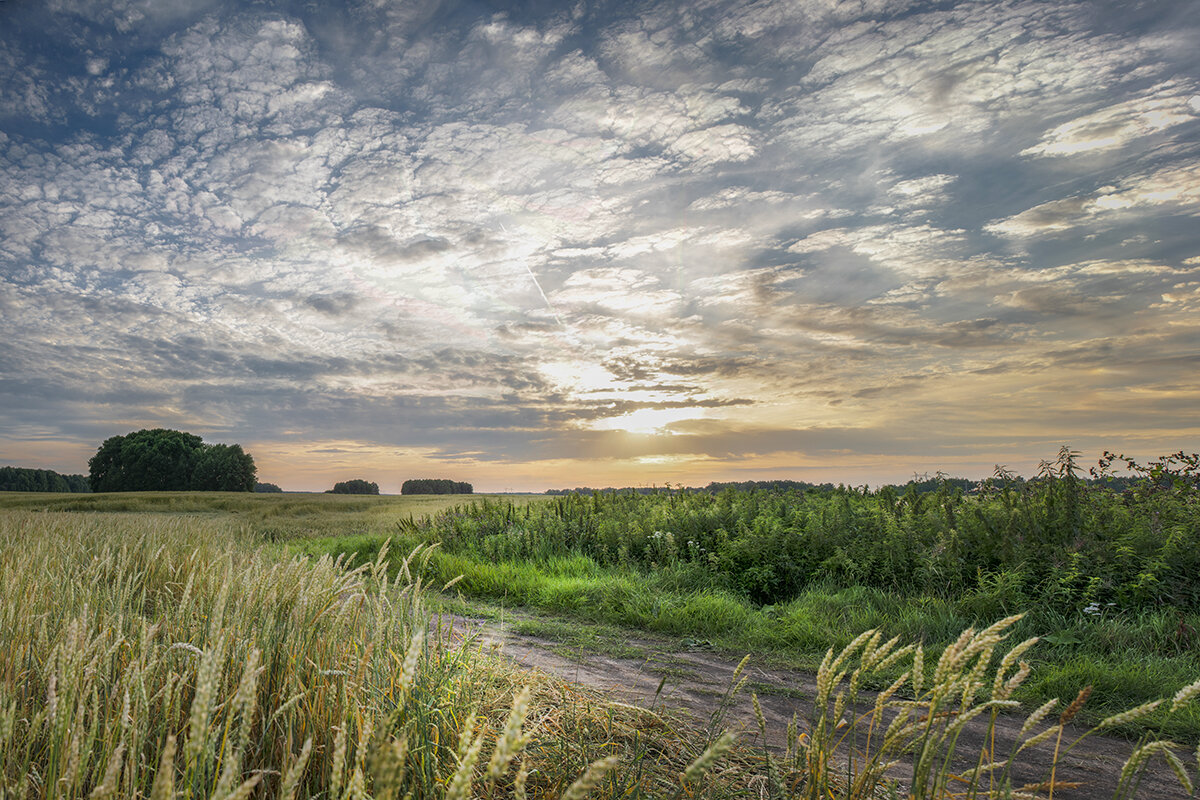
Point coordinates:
[[628, 243]]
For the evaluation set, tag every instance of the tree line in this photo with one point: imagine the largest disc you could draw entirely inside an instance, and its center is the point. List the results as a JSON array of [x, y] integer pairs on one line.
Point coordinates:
[[355, 486], [165, 460], [435, 486], [22, 479]]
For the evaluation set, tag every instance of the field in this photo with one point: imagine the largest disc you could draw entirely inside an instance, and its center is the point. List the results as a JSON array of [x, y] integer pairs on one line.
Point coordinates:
[[168, 645], [266, 517]]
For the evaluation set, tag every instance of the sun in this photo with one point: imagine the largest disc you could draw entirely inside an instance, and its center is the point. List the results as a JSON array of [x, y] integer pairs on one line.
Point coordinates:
[[649, 420]]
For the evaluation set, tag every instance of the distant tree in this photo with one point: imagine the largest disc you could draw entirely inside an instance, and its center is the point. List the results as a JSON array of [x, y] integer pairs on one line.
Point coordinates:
[[167, 460], [764, 486], [267, 488], [435, 486], [356, 486], [22, 479]]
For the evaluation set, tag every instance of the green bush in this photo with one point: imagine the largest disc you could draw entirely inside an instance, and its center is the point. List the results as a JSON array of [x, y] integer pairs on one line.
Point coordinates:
[[1057, 541]]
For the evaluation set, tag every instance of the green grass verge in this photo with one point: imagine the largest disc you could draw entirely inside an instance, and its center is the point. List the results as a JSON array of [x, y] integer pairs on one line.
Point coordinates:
[[1128, 659]]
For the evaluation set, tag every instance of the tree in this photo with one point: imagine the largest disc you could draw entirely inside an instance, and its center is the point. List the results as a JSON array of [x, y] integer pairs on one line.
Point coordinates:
[[356, 486], [167, 460], [77, 483], [224, 468], [435, 486], [267, 488]]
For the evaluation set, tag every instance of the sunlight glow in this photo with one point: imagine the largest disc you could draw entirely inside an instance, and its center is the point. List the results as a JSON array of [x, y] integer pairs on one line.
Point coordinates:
[[577, 377], [649, 420]]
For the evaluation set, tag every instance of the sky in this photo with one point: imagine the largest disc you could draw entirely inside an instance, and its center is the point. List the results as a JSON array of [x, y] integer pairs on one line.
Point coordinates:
[[536, 245]]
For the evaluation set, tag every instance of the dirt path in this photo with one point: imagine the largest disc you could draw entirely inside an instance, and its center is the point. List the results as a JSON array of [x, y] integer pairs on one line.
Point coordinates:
[[695, 680]]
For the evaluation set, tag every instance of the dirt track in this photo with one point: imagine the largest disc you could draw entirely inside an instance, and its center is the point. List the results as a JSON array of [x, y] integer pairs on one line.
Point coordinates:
[[694, 680]]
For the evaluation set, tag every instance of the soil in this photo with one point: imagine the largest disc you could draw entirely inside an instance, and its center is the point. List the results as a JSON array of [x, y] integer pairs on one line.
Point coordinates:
[[693, 681]]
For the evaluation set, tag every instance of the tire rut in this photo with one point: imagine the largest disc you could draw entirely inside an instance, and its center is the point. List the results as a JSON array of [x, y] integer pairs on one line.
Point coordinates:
[[694, 681]]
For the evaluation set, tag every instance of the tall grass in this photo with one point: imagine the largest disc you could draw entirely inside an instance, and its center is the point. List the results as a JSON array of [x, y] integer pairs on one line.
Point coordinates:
[[161, 657], [268, 517], [853, 744], [1056, 542]]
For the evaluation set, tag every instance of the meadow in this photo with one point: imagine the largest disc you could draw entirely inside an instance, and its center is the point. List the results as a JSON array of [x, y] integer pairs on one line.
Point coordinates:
[[210, 645], [1107, 577]]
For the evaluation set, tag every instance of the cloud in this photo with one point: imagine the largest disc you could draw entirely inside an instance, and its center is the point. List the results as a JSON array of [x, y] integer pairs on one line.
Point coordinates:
[[478, 237], [1171, 103], [1167, 189]]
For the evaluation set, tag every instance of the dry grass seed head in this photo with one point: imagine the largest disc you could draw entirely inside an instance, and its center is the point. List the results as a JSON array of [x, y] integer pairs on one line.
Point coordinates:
[[1130, 715], [1002, 688], [710, 756], [1139, 757], [1185, 695], [1034, 741], [1179, 769], [460, 783], [510, 741], [1037, 716], [291, 780], [1076, 705], [952, 657], [586, 783], [164, 779]]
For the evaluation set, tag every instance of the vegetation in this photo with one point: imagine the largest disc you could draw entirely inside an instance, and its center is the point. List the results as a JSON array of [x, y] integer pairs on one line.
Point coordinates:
[[435, 486], [20, 479], [356, 486], [294, 517], [975, 678], [163, 653], [155, 657], [267, 488], [152, 655], [1054, 541], [1110, 579], [166, 460]]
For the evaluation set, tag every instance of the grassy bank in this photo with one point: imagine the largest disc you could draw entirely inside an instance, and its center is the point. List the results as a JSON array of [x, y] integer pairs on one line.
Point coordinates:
[[1129, 658], [1110, 581]]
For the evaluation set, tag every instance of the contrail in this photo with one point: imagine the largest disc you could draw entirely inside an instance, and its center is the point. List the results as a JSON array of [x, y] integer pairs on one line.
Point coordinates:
[[549, 305], [533, 278]]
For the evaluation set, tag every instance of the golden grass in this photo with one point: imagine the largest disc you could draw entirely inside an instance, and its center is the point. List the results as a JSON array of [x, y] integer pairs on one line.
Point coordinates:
[[168, 656]]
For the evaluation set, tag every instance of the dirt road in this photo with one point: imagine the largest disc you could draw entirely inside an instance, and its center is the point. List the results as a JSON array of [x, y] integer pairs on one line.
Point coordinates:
[[694, 681]]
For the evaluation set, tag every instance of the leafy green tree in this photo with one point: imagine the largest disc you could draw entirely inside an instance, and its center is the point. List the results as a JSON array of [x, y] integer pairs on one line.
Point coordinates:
[[356, 486], [224, 468], [167, 460], [77, 483], [144, 461], [267, 488]]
